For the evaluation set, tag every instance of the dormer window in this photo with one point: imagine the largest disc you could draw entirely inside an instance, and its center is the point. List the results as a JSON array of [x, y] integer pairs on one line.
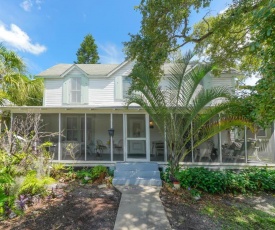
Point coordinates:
[[75, 90]]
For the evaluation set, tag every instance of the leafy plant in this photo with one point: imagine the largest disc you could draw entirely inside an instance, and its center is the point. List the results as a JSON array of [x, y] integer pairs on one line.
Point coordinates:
[[248, 180], [5, 198], [32, 185], [21, 202], [57, 170], [98, 171], [85, 175]]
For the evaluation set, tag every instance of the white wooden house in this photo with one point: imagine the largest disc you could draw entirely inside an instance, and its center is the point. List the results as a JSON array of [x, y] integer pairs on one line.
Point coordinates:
[[85, 102]]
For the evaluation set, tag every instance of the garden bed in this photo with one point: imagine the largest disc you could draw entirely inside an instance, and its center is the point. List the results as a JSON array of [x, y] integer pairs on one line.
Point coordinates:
[[73, 206], [218, 211]]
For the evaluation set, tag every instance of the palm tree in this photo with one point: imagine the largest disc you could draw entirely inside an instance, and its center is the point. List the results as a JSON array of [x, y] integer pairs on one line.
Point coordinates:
[[15, 85], [181, 110]]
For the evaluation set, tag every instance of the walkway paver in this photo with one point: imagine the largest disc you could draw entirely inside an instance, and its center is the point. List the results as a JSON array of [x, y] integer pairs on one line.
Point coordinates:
[[140, 208]]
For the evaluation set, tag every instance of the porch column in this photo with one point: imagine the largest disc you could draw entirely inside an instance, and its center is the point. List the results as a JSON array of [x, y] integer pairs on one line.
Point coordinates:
[[59, 136], [111, 141], [220, 142], [85, 136], [147, 128], [192, 142], [245, 144]]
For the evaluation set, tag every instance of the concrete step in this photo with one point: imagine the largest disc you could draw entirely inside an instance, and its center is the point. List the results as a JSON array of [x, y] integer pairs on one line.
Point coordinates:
[[142, 166], [137, 173], [137, 181]]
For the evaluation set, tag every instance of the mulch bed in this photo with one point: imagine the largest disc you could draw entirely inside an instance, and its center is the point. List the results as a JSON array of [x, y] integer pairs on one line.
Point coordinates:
[[72, 207]]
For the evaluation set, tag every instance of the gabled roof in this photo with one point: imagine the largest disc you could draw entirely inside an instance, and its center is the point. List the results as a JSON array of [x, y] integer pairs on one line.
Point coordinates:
[[89, 69]]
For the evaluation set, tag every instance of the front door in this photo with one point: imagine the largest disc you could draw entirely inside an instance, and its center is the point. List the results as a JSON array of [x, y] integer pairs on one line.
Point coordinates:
[[136, 141]]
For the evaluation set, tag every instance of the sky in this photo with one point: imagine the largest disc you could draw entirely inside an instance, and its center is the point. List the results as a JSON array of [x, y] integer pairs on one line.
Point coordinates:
[[49, 32]]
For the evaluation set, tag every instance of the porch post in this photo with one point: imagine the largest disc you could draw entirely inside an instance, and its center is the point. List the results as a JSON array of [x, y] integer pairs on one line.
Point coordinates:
[[125, 142], [11, 120], [272, 148], [245, 144], [220, 141], [111, 141], [192, 142], [165, 146], [59, 136], [85, 136], [148, 154]]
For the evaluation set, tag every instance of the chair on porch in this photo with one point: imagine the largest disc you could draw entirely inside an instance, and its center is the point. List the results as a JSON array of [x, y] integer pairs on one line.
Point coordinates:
[[205, 151], [100, 146], [119, 146]]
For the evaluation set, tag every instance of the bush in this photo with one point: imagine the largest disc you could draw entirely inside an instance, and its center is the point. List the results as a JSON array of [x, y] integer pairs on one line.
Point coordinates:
[[248, 180], [33, 186], [57, 170], [98, 171], [5, 182]]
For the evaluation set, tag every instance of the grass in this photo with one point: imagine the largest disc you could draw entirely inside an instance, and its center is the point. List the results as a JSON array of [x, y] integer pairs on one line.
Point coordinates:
[[238, 216]]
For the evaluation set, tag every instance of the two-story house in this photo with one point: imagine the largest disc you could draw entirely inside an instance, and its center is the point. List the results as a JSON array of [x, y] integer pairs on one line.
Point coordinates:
[[84, 104]]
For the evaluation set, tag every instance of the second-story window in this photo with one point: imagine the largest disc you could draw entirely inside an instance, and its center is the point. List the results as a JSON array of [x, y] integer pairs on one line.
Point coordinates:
[[76, 90]]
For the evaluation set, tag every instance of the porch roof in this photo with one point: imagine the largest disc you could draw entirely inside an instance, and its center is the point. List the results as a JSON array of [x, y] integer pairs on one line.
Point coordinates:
[[69, 109]]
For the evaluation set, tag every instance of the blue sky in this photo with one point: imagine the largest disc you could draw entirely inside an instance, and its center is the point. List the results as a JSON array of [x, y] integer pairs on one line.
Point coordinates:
[[48, 32]]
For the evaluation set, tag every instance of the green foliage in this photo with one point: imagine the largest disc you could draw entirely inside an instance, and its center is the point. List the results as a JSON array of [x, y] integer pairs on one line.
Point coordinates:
[[16, 86], [33, 185], [57, 170], [238, 215], [87, 53], [184, 104], [98, 170], [164, 28], [203, 179], [6, 181], [244, 181], [85, 175]]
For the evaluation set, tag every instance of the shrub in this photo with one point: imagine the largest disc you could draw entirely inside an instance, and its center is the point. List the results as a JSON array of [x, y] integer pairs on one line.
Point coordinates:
[[32, 185], [84, 174], [5, 199], [57, 170], [98, 171], [243, 181]]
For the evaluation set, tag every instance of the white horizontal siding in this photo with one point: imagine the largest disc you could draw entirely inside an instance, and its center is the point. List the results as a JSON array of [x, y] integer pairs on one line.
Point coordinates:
[[53, 92], [101, 90]]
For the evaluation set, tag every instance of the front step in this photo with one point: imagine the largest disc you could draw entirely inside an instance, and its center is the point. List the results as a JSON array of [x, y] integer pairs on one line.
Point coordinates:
[[139, 173]]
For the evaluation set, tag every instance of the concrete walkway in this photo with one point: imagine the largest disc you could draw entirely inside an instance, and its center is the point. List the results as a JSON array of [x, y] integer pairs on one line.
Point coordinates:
[[140, 208]]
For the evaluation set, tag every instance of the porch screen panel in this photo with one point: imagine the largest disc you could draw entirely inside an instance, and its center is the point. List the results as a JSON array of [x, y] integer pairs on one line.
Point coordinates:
[[136, 136], [118, 141], [233, 145], [50, 133], [262, 145], [157, 146], [100, 139], [72, 139]]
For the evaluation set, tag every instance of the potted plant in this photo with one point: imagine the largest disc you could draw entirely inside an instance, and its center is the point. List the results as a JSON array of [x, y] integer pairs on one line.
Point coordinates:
[[175, 181]]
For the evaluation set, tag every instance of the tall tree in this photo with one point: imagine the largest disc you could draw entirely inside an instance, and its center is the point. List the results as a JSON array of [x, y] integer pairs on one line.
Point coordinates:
[[15, 85], [182, 105], [250, 47], [87, 53]]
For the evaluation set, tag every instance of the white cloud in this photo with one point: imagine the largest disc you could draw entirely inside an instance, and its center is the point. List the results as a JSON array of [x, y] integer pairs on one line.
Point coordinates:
[[17, 38], [111, 54], [224, 10], [26, 5]]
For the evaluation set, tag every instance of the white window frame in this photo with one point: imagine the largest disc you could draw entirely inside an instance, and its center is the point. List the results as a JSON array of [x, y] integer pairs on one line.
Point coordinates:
[[75, 82]]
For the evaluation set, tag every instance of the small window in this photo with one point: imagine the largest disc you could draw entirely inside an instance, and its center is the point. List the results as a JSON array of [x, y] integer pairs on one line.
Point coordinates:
[[76, 90], [261, 133], [127, 81]]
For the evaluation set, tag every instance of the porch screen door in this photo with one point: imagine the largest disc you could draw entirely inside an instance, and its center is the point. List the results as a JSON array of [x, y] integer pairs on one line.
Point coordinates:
[[136, 137]]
